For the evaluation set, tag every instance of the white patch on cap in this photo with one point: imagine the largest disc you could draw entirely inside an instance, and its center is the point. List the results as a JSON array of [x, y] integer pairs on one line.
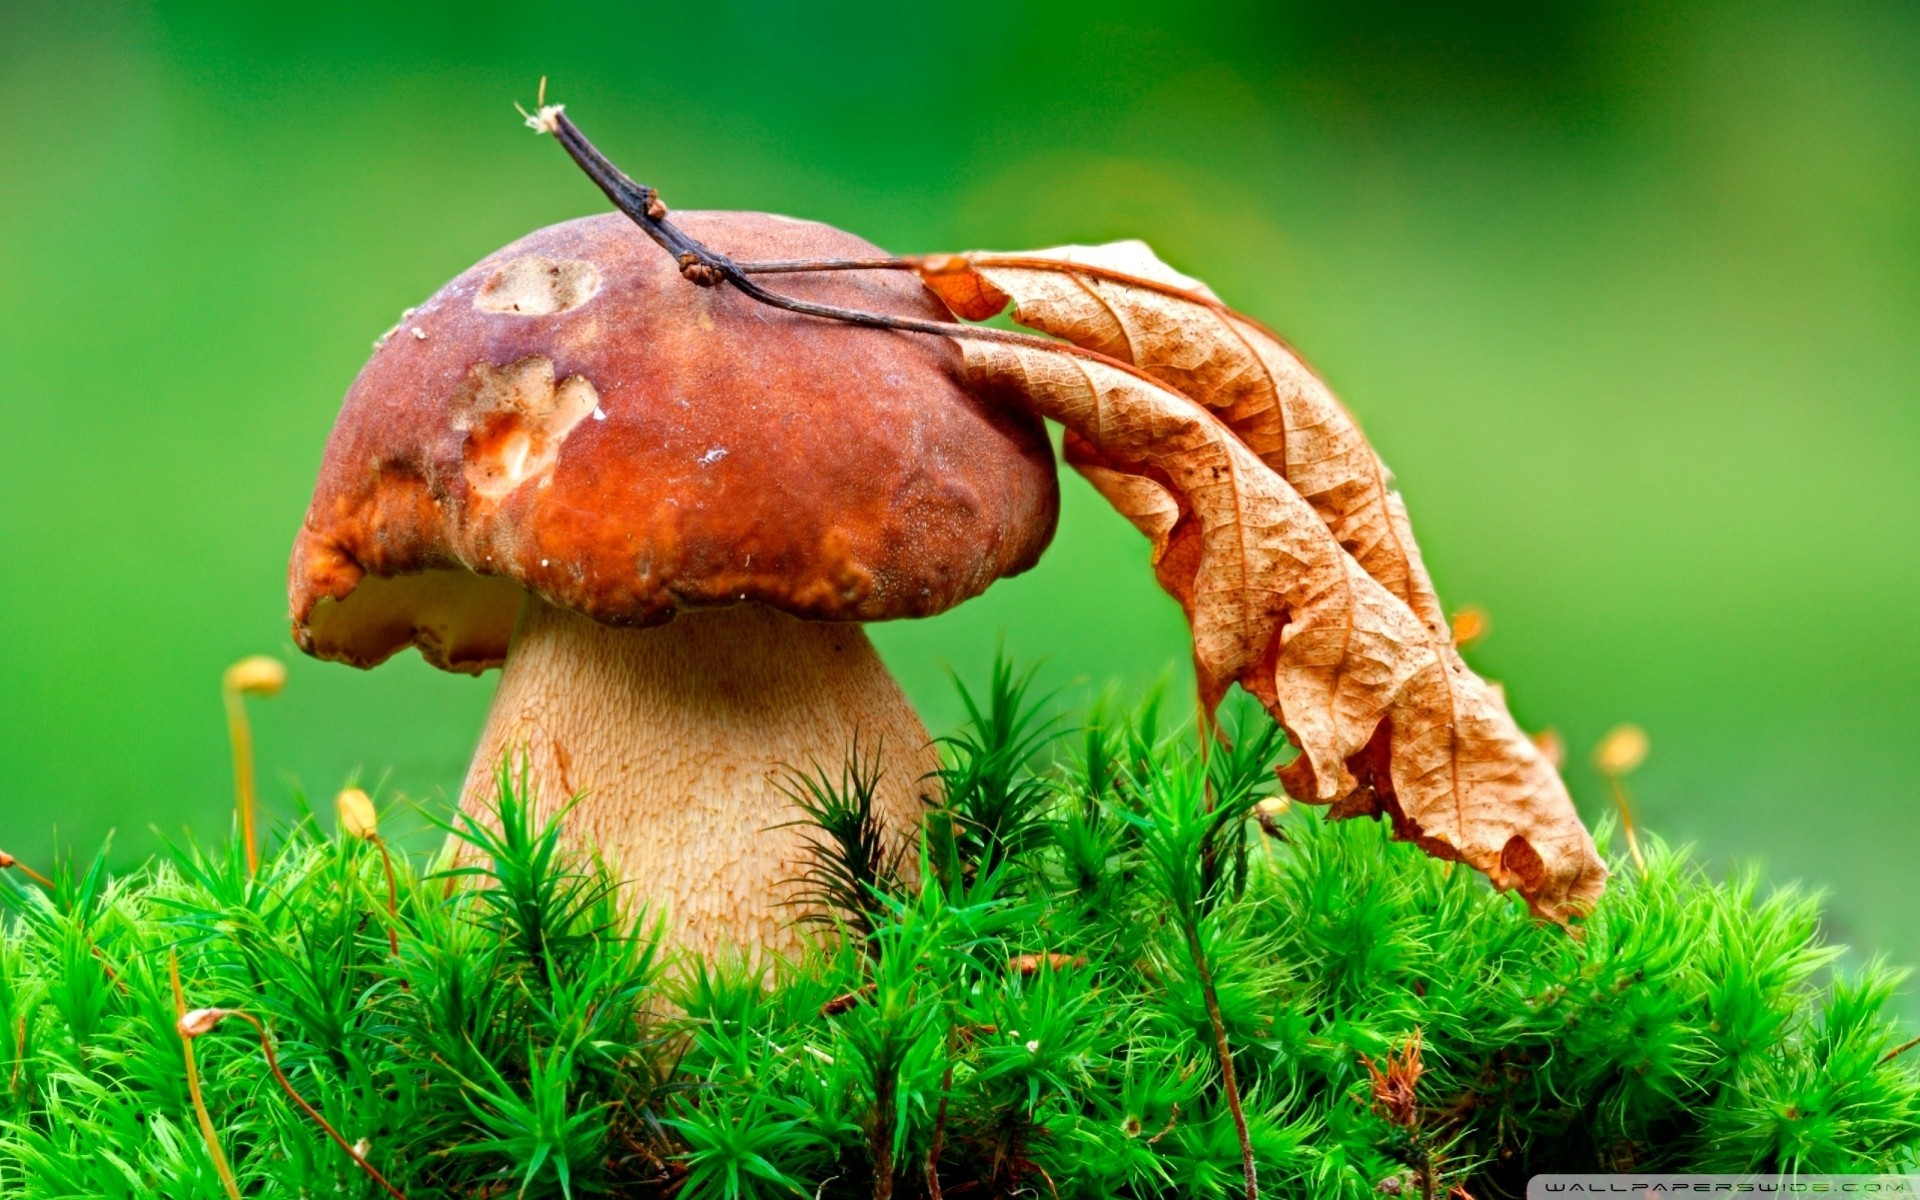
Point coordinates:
[[516, 418], [534, 285]]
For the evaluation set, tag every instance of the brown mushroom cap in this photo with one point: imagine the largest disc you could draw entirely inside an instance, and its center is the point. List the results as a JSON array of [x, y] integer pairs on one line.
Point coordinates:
[[570, 416]]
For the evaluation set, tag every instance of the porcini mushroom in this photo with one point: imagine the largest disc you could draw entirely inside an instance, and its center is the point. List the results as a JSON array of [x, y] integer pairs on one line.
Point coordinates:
[[667, 510]]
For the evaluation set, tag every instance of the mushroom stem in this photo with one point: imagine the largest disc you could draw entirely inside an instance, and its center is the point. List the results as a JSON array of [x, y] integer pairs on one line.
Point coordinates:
[[679, 735]]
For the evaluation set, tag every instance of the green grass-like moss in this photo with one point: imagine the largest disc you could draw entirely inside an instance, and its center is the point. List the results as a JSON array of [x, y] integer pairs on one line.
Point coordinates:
[[1032, 1020]]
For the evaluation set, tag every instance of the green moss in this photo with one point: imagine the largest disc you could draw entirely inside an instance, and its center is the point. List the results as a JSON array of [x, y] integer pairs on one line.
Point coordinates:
[[1038, 1011]]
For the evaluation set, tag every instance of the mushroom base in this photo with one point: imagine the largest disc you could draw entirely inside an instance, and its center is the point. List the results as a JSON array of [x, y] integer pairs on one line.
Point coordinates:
[[678, 736]]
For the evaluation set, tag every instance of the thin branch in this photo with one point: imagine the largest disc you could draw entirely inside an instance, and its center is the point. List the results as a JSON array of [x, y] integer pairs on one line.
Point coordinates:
[[786, 266], [1897, 1051], [707, 267], [1225, 1054], [1173, 1118], [936, 264]]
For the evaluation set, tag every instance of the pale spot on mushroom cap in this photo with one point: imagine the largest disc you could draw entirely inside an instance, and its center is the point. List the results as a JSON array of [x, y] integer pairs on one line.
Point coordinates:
[[516, 419], [534, 285]]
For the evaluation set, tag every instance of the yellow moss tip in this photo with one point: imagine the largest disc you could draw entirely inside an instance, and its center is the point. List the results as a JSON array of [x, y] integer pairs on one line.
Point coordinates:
[[1622, 751], [357, 816], [257, 675]]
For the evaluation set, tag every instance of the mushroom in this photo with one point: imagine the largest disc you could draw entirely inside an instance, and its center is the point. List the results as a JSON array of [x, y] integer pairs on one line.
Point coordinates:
[[666, 511]]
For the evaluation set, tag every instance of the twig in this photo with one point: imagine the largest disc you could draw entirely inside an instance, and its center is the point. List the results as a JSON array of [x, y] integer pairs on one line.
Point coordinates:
[[1173, 1118], [202, 1021], [706, 267], [799, 265], [939, 264], [220, 1166], [1897, 1051], [1225, 1054]]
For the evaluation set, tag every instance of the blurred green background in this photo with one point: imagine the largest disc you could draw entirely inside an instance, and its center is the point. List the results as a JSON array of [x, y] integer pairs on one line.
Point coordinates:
[[1628, 295]]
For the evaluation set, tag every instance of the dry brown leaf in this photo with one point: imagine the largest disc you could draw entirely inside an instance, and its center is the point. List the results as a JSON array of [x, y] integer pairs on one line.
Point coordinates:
[[1122, 301], [1388, 718]]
